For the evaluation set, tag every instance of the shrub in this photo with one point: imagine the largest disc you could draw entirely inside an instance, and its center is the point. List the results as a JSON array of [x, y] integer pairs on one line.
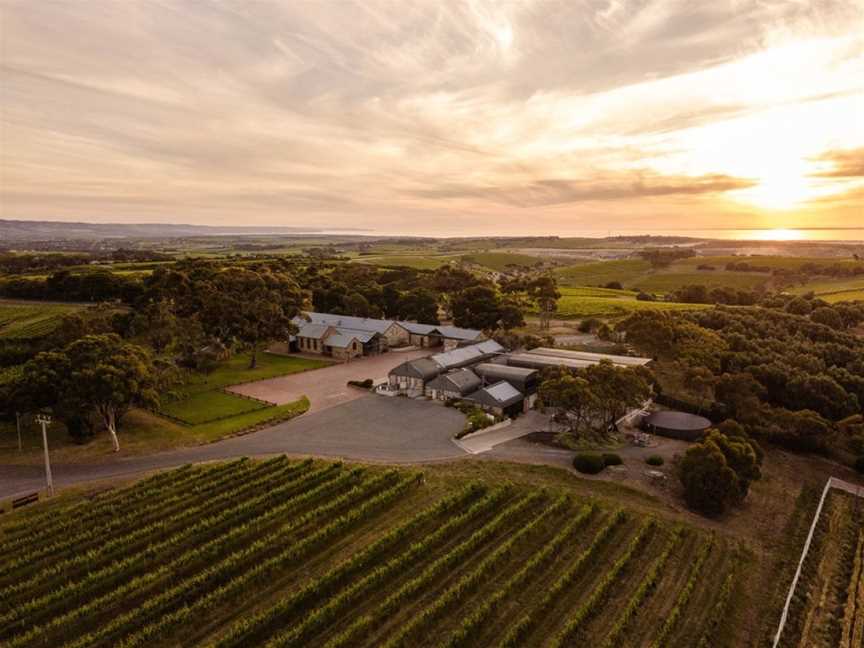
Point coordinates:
[[643, 296], [654, 460], [589, 463], [612, 459], [859, 464], [364, 384], [614, 285], [589, 325]]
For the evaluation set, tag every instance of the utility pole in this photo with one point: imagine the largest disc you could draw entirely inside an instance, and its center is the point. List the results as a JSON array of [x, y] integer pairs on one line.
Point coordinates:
[[18, 427], [44, 420]]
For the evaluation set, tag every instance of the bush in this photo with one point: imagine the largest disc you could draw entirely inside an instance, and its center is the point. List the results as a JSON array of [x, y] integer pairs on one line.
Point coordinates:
[[859, 464], [654, 460], [364, 384], [614, 285], [612, 459], [589, 463], [589, 325], [643, 296]]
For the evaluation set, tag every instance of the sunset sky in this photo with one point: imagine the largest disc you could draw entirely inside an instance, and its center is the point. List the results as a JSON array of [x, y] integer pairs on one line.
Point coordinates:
[[436, 117]]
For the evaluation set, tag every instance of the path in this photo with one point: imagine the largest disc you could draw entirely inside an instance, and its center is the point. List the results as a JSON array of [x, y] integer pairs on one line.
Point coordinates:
[[368, 428]]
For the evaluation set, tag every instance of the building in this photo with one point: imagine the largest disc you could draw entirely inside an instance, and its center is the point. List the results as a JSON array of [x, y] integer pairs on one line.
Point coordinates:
[[571, 359], [501, 399], [379, 335], [677, 425], [455, 384], [411, 377], [593, 358], [523, 379], [341, 343]]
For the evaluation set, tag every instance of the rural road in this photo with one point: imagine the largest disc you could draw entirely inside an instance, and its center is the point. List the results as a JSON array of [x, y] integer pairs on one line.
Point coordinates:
[[368, 428]]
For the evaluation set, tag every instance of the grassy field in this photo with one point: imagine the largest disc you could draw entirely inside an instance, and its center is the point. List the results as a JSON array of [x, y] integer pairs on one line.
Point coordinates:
[[848, 295], [288, 553], [207, 406], [604, 302], [420, 262], [27, 320], [602, 272], [501, 260], [664, 282], [827, 609]]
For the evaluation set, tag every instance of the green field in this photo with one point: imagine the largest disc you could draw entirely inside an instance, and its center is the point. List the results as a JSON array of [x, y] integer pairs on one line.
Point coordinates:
[[501, 260], [827, 609], [309, 553], [664, 282], [849, 295], [203, 401], [603, 302], [207, 406], [28, 320], [420, 262], [602, 272]]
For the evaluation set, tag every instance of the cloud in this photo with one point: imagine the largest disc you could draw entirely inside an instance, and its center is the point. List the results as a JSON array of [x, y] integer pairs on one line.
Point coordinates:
[[434, 114], [844, 164]]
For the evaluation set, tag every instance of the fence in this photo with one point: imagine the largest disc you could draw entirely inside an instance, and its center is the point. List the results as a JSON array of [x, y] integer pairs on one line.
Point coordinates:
[[832, 482]]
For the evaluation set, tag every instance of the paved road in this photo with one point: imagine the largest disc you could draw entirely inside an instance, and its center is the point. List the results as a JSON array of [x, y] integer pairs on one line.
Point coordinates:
[[368, 428], [327, 387]]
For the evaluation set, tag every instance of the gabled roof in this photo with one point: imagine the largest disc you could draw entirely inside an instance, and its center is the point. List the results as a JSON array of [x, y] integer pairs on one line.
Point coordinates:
[[339, 340], [421, 368], [462, 381], [499, 370], [457, 333], [501, 394], [314, 331], [468, 354], [363, 336], [416, 328], [351, 322]]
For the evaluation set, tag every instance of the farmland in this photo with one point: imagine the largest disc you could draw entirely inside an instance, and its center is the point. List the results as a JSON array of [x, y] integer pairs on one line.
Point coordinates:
[[502, 260], [604, 302], [28, 320], [827, 609], [302, 553]]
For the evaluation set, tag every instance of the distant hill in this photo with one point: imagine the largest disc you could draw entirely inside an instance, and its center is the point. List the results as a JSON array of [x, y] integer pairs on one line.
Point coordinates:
[[18, 230]]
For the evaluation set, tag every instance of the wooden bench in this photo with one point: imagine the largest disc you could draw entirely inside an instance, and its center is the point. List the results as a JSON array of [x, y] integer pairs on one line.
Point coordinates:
[[23, 501]]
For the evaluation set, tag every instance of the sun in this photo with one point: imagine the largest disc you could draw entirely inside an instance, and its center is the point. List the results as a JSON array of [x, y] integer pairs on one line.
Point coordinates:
[[780, 234]]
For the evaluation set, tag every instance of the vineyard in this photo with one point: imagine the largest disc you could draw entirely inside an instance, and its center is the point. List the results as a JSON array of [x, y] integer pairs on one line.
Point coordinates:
[[827, 608], [311, 553], [29, 321]]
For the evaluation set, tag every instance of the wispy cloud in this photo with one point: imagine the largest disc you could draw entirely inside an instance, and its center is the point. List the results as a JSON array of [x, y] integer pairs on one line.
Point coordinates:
[[432, 117]]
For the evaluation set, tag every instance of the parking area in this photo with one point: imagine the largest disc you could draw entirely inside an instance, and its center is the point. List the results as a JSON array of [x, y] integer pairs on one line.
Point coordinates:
[[327, 387]]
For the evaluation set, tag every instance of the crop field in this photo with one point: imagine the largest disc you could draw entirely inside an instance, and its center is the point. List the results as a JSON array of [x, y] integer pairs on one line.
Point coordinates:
[[827, 608], [207, 406], [604, 302], [291, 553], [501, 260], [30, 320], [600, 273], [420, 262], [667, 281]]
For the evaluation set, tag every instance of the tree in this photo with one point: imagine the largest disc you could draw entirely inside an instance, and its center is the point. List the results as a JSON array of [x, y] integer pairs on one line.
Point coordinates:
[[477, 307], [717, 472], [111, 376], [420, 305]]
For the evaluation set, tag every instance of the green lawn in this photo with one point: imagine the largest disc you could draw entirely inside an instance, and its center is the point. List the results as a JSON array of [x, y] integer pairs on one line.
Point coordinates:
[[207, 406], [848, 295], [501, 260], [235, 371], [823, 286], [600, 302]]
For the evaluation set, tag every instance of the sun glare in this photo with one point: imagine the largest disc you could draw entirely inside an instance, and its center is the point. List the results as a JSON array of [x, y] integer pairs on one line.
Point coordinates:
[[780, 234]]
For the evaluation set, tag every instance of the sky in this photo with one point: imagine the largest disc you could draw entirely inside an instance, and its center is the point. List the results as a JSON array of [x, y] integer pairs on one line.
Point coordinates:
[[435, 118]]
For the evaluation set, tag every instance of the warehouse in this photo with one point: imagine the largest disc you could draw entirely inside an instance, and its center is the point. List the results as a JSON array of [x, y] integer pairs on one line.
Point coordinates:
[[455, 384], [501, 399]]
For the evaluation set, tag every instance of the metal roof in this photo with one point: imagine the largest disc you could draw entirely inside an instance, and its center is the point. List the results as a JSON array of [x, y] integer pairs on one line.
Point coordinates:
[[468, 354], [416, 328], [463, 381], [504, 370], [339, 340], [501, 394], [421, 368], [624, 361], [670, 420], [314, 331], [363, 336], [457, 333], [351, 322]]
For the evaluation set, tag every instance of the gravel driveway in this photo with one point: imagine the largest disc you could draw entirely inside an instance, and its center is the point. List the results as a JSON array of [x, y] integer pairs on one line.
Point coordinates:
[[327, 387], [367, 428]]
